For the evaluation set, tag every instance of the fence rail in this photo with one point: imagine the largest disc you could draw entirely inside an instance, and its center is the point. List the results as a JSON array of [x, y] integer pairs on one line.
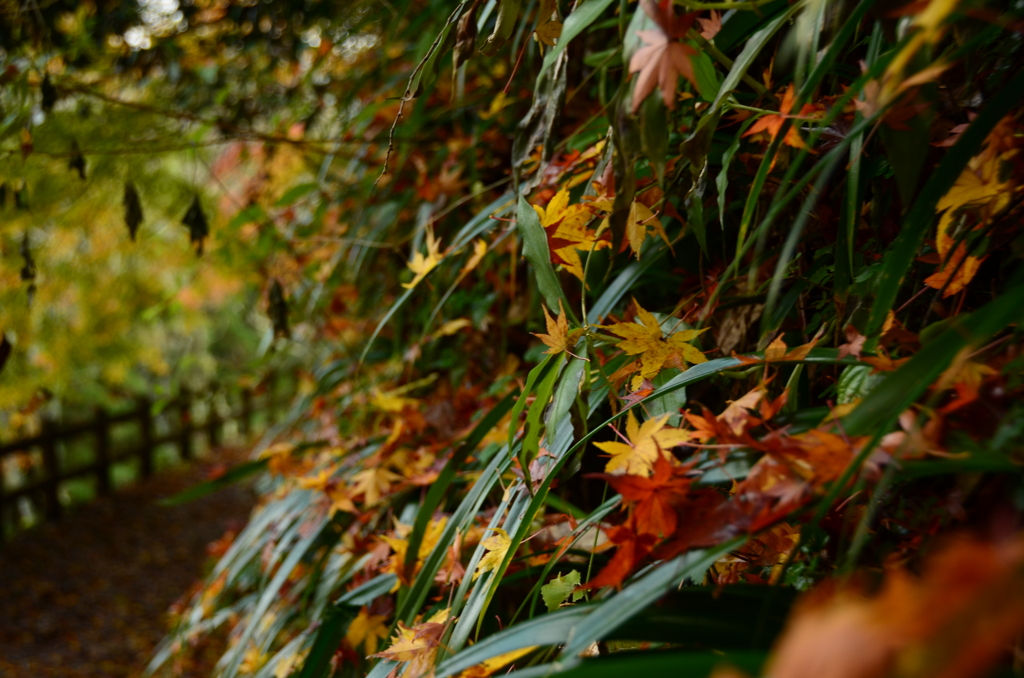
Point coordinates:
[[222, 405]]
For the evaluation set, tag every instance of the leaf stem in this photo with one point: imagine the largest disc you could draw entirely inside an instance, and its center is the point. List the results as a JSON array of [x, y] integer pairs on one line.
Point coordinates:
[[718, 56]]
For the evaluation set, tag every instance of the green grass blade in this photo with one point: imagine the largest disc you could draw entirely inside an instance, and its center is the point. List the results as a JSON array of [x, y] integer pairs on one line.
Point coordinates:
[[535, 249], [919, 219]]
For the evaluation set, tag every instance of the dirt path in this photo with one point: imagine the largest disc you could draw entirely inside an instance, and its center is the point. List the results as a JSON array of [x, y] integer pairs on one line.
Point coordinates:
[[87, 597]]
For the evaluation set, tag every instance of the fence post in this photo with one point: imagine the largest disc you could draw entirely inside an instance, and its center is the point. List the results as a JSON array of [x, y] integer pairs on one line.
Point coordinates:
[[145, 408], [213, 428], [101, 428], [245, 418], [185, 423], [3, 505], [271, 381], [51, 467]]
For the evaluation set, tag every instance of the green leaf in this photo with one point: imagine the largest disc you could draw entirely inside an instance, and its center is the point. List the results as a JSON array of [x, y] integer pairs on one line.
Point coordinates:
[[642, 592], [559, 588], [751, 49], [733, 618], [534, 427], [437, 494], [565, 394], [535, 249], [328, 637], [548, 629], [426, 69], [901, 388], [508, 12], [270, 593], [674, 663], [387, 317], [624, 282], [707, 78], [579, 20], [856, 382], [296, 192], [654, 134], [531, 380]]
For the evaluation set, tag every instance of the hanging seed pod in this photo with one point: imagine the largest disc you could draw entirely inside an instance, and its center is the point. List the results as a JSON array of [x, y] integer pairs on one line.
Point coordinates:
[[77, 161], [5, 350], [28, 269], [132, 209], [49, 93], [21, 196], [198, 228], [277, 309]]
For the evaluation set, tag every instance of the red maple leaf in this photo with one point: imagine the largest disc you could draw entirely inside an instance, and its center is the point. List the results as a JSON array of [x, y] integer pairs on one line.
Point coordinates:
[[655, 497], [662, 59], [633, 547]]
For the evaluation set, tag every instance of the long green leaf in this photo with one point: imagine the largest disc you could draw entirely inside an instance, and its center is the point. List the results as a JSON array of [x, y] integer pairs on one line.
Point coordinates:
[[439, 488], [688, 664], [900, 389], [578, 21], [535, 249], [328, 637], [643, 591]]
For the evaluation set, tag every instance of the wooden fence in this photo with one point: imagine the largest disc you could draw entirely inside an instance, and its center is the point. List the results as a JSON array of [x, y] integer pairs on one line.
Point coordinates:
[[43, 486]]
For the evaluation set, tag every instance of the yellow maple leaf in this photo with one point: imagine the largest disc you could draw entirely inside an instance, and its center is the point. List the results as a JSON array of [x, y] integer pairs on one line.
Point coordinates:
[[290, 664], [567, 232], [340, 500], [645, 339], [479, 250], [400, 547], [373, 483], [451, 327], [964, 371], [318, 481], [390, 401], [253, 660], [497, 546], [558, 338], [367, 630], [488, 667], [646, 444], [498, 103], [422, 265], [417, 645], [641, 221], [548, 29]]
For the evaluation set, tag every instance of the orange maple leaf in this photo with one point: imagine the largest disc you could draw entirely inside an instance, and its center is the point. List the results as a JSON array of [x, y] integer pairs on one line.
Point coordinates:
[[778, 351], [958, 267], [662, 59], [559, 338], [772, 124]]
